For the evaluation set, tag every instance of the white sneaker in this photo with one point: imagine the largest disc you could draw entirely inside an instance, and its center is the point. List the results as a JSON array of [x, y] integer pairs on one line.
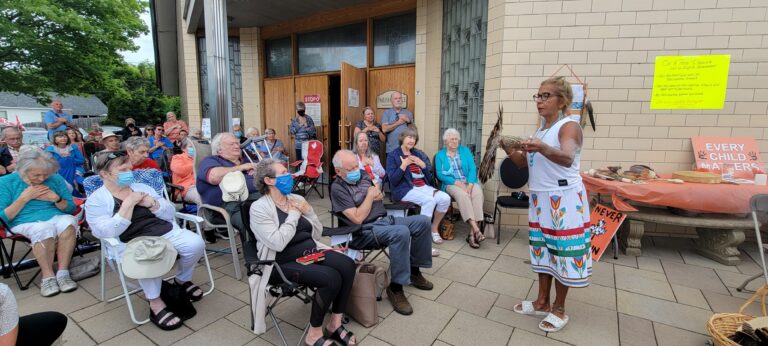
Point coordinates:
[[435, 253], [49, 287], [66, 284]]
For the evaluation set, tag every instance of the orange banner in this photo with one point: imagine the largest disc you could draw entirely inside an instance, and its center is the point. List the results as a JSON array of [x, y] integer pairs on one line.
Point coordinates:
[[738, 157], [603, 224]]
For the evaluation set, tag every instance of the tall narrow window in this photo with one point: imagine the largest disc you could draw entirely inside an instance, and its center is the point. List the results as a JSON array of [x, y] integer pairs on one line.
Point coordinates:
[[394, 40], [323, 51], [278, 57]]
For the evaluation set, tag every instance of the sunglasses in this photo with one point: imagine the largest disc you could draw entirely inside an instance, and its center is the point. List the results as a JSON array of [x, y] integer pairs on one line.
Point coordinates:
[[113, 155]]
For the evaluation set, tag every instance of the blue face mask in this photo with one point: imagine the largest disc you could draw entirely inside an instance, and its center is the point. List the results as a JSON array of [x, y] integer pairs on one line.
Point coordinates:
[[284, 184], [191, 151], [353, 176], [238, 134], [125, 179]]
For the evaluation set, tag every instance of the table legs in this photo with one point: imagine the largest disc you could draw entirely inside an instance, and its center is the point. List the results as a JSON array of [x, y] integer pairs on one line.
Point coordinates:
[[720, 245]]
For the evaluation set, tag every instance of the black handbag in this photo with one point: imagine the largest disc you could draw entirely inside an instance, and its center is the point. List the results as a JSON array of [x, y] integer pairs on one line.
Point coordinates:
[[177, 300]]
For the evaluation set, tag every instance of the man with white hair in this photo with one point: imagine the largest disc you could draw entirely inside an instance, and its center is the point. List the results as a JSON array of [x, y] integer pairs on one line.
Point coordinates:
[[226, 158], [395, 120], [13, 138]]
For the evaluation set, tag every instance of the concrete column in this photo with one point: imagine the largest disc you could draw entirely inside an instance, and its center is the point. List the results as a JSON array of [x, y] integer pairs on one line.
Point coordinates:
[[217, 59]]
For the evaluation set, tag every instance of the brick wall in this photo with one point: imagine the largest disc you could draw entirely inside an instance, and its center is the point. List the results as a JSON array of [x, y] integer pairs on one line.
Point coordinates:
[[189, 87], [611, 45]]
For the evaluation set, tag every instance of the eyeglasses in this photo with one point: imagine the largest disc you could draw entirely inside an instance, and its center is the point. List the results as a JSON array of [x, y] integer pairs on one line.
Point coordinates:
[[543, 96]]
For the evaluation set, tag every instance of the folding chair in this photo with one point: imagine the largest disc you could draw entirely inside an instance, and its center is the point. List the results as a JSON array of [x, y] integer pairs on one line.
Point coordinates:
[[513, 178], [759, 206], [346, 238], [7, 256], [209, 212], [279, 288], [310, 169], [112, 248]]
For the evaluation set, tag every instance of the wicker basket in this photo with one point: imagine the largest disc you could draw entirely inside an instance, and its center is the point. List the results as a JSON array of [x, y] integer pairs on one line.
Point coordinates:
[[722, 325]]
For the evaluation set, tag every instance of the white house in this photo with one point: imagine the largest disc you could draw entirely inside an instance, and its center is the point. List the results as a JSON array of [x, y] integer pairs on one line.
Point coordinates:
[[29, 111]]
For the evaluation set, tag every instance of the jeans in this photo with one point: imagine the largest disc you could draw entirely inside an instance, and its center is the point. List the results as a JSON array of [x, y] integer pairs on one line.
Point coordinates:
[[409, 240]]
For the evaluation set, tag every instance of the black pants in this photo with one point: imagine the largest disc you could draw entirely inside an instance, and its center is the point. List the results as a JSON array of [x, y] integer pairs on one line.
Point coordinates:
[[333, 278], [298, 154], [42, 328]]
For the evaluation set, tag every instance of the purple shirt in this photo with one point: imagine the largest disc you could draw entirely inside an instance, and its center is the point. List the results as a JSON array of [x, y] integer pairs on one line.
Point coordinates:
[[209, 193]]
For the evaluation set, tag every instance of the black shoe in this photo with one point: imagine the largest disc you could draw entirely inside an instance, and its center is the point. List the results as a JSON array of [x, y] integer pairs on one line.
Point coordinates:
[[210, 237]]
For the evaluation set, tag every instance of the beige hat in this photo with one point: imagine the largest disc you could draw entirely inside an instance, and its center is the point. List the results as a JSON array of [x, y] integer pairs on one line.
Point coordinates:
[[106, 135], [148, 257]]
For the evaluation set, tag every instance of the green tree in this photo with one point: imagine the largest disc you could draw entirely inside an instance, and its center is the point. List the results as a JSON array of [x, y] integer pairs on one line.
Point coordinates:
[[135, 95], [65, 46]]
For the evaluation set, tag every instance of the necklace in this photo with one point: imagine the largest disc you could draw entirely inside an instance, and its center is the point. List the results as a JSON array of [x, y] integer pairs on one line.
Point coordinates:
[[283, 205], [560, 116]]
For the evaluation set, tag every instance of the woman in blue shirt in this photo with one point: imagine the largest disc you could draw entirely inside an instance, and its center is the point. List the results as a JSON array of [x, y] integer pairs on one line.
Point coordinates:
[[36, 203], [70, 160], [456, 170], [158, 144]]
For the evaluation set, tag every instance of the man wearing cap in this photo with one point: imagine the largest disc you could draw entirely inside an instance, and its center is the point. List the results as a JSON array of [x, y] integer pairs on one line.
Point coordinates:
[[56, 119], [110, 141], [302, 128]]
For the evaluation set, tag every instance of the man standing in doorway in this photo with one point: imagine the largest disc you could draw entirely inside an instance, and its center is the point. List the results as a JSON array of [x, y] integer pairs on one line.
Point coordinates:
[[56, 119], [395, 120], [302, 128]]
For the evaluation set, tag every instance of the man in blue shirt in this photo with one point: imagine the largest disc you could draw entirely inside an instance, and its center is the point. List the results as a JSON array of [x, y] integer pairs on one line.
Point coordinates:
[[395, 120], [56, 119]]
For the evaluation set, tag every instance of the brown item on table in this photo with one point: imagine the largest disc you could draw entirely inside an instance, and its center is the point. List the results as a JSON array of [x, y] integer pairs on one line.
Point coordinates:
[[698, 177]]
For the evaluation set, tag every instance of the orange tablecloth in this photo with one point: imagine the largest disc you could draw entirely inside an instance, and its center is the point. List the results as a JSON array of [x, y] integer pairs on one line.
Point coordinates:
[[709, 198]]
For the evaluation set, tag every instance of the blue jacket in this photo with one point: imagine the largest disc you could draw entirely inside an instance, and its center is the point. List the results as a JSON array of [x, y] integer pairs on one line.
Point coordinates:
[[444, 171], [400, 181]]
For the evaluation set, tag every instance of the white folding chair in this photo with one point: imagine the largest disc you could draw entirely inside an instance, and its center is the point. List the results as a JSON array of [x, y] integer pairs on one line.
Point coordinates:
[[112, 248]]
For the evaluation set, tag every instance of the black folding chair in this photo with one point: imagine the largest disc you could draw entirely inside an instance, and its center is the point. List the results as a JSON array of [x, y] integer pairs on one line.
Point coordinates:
[[512, 177], [279, 287]]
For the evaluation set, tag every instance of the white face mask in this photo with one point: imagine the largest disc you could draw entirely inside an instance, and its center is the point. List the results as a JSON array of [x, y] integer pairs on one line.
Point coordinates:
[[417, 176]]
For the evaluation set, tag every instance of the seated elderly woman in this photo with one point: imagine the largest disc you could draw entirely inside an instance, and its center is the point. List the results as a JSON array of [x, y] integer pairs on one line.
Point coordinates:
[[137, 148], [456, 170], [124, 209], [70, 160], [410, 174], [286, 228], [367, 159], [183, 174], [36, 203]]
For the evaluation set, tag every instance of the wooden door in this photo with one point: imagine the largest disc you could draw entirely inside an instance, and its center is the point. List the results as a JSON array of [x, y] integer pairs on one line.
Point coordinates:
[[381, 81], [353, 98], [279, 109], [310, 90]]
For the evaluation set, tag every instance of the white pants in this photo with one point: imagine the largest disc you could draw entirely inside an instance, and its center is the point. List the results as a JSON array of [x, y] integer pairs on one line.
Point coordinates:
[[429, 199], [42, 230], [190, 247]]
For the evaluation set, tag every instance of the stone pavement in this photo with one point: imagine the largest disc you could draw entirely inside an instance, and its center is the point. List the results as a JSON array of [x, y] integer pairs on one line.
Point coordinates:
[[661, 298]]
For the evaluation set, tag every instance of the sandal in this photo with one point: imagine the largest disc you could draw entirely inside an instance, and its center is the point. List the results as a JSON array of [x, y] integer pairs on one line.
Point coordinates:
[[163, 318], [436, 238], [191, 289], [556, 323], [336, 335], [479, 237], [472, 241], [526, 308], [319, 342]]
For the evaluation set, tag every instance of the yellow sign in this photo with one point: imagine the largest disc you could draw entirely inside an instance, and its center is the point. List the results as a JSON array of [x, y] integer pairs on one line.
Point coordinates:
[[690, 82]]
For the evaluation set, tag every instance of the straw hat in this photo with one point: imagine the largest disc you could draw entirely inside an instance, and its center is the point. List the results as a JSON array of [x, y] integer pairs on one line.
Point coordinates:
[[148, 257], [106, 135]]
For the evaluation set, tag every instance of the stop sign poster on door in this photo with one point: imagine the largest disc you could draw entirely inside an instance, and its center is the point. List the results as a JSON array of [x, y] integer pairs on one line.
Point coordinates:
[[720, 154]]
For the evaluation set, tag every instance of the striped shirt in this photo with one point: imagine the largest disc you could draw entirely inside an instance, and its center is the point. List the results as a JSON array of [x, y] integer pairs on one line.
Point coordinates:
[[416, 171]]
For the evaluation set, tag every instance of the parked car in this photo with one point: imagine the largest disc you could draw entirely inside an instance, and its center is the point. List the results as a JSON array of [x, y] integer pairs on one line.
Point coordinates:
[[110, 128], [35, 136]]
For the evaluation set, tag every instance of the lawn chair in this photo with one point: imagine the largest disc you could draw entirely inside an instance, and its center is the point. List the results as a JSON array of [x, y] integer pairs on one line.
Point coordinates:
[[112, 248], [759, 206], [513, 178], [307, 177], [345, 238]]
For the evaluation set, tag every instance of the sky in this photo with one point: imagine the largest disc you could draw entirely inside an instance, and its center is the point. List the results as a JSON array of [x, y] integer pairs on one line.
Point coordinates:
[[146, 47]]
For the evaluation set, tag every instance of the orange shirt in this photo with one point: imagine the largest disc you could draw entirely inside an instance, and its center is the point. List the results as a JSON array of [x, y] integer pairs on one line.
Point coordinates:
[[173, 134], [181, 166]]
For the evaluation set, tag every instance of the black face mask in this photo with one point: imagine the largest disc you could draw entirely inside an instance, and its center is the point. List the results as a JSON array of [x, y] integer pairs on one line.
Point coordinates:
[[301, 112]]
